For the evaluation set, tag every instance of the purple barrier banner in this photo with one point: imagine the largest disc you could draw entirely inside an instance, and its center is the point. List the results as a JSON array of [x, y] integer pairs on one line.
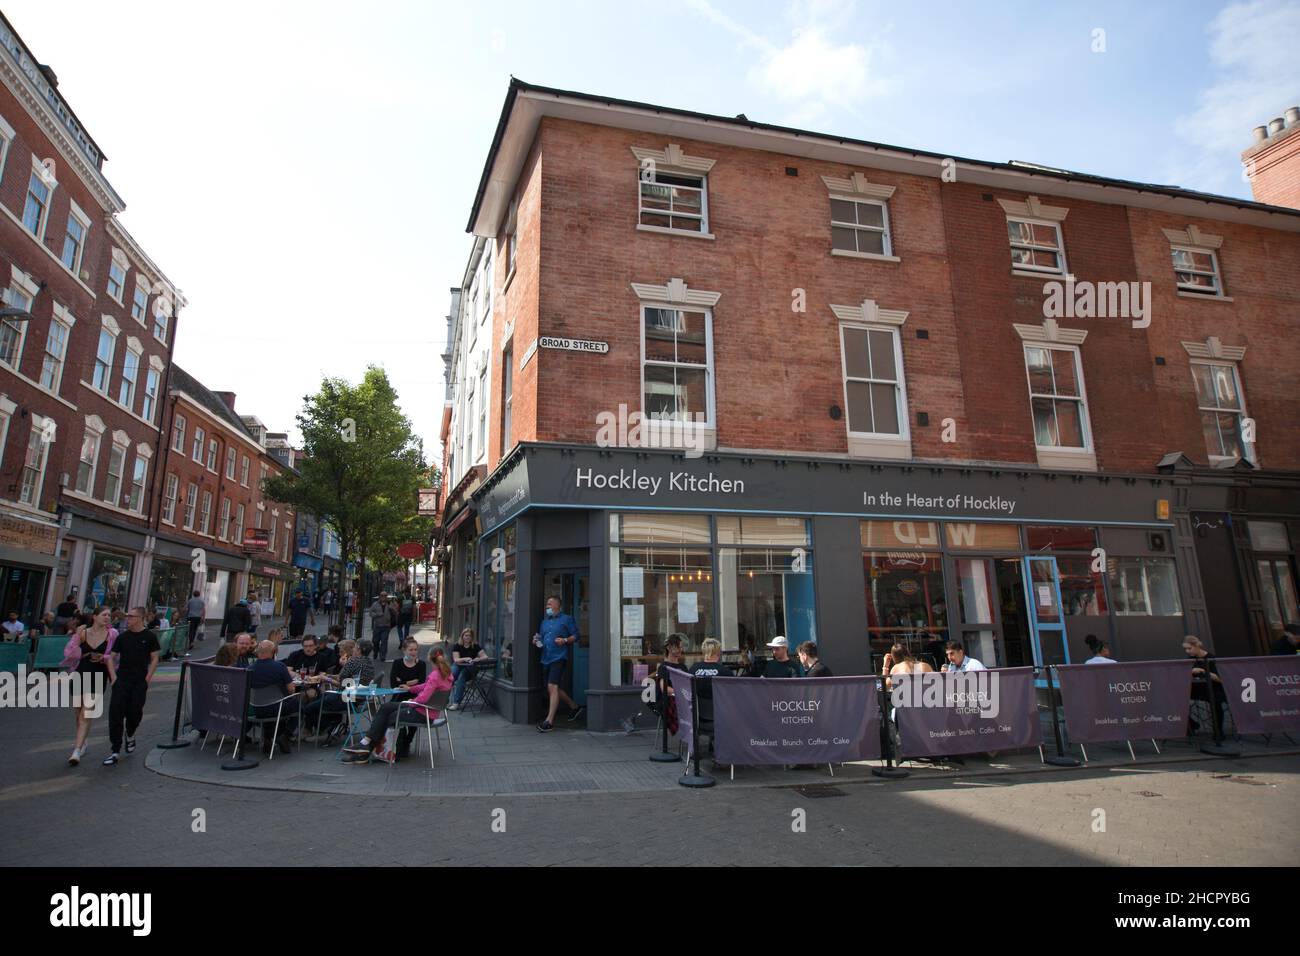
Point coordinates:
[[817, 720], [218, 698], [685, 702], [966, 712], [1263, 692], [1125, 701]]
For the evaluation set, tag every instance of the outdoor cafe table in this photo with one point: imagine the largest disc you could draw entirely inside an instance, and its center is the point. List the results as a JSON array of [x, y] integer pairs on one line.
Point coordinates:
[[358, 700]]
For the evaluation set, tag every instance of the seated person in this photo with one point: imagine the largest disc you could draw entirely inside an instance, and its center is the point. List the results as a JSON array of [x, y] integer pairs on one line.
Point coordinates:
[[266, 671], [812, 665], [244, 649], [959, 660], [464, 653], [417, 707], [308, 663], [780, 665], [673, 657], [329, 648], [1100, 650], [227, 655], [13, 627], [356, 666], [707, 669], [1289, 642], [899, 660], [408, 670]]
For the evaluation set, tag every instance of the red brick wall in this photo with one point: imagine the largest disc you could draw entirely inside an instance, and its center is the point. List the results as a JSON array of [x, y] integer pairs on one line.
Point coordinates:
[[87, 301], [1274, 169], [778, 372]]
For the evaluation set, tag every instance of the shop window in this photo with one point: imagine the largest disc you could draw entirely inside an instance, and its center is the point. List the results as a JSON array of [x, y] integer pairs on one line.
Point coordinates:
[[765, 592], [978, 536], [763, 530], [901, 535], [906, 603], [1083, 592], [660, 591], [1268, 536], [1060, 538], [1277, 593], [110, 578], [661, 528], [1144, 587]]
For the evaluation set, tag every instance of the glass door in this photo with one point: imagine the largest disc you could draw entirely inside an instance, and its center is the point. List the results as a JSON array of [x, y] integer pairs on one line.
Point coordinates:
[[1046, 620], [978, 627]]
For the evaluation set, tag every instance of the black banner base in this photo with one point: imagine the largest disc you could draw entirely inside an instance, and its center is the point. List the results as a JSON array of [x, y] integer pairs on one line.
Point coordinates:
[[663, 756], [696, 781], [1062, 760], [243, 763], [174, 744], [890, 773]]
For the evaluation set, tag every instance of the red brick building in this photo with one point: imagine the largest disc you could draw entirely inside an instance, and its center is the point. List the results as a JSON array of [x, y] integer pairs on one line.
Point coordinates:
[[981, 395], [83, 359], [211, 472]]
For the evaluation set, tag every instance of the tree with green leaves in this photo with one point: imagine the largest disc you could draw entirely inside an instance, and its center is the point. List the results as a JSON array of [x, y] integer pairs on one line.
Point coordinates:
[[360, 469]]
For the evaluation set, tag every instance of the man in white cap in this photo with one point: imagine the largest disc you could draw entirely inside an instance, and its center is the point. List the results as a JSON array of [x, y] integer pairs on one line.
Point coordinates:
[[780, 664]]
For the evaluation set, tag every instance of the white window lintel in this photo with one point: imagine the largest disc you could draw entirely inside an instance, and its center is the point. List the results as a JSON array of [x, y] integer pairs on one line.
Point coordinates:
[[673, 159], [675, 292], [869, 313], [1033, 208], [857, 187], [1212, 348], [1051, 333]]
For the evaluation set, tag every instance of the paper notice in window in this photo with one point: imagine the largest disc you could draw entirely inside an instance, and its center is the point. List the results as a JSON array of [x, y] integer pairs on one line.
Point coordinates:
[[633, 583], [687, 608], [633, 620], [1045, 596]]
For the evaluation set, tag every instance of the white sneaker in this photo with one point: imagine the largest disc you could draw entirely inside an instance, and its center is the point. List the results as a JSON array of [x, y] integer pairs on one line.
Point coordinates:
[[111, 759], [74, 758], [453, 706]]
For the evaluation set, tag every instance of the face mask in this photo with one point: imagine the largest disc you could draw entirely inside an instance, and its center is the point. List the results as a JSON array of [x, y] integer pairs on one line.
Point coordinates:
[[550, 612], [409, 658]]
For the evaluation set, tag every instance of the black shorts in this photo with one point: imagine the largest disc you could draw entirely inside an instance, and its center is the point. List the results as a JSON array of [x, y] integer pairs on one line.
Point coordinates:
[[553, 673]]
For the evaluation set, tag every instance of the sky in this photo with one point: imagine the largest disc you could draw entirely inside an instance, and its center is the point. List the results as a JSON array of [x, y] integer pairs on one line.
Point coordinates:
[[304, 171]]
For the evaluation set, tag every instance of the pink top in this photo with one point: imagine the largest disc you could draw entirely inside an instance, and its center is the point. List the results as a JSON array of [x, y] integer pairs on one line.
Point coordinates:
[[72, 650], [432, 684]]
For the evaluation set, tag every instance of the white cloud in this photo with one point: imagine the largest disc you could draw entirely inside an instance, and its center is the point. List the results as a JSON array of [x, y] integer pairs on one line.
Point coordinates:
[[811, 72], [1252, 48]]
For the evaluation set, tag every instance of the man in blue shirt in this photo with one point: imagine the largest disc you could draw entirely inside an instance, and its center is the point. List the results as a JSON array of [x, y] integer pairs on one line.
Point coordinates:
[[556, 632]]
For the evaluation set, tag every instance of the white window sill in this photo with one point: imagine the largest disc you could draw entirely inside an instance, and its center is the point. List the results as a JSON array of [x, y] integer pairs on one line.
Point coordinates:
[[1067, 459], [864, 255], [510, 277], [49, 252], [1034, 274], [893, 447], [170, 524], [665, 231], [1204, 298], [37, 385], [26, 508], [115, 299]]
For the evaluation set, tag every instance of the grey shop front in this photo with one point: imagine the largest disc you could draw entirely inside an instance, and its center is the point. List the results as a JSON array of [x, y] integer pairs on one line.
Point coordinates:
[[1020, 565]]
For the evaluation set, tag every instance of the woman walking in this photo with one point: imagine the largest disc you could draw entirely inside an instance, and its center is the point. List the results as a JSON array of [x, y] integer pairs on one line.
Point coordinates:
[[87, 654]]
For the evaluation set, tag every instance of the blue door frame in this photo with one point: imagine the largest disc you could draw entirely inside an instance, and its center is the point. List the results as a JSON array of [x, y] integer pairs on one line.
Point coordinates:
[[1043, 623]]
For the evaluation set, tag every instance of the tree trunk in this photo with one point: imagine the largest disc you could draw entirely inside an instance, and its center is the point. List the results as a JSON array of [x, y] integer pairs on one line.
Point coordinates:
[[361, 587]]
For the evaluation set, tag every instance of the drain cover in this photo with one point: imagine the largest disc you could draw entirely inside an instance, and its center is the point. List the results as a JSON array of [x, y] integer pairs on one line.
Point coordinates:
[[821, 790]]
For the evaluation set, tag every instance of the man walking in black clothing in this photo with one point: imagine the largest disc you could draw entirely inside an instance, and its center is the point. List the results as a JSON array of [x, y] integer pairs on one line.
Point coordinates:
[[239, 620], [136, 655]]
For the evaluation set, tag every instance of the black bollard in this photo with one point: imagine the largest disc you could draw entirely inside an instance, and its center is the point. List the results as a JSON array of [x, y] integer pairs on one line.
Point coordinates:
[[889, 771], [176, 742], [695, 778], [663, 756]]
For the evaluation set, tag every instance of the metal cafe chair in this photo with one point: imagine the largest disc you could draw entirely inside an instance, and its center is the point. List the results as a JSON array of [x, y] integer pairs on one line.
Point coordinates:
[[476, 687], [408, 716], [270, 697]]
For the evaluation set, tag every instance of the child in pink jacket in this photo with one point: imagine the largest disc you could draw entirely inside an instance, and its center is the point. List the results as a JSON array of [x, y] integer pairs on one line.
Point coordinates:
[[439, 679]]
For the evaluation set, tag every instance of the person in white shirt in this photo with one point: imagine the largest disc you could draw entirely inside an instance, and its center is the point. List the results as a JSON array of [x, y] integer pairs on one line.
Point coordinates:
[[254, 612], [13, 627], [959, 660], [1100, 650]]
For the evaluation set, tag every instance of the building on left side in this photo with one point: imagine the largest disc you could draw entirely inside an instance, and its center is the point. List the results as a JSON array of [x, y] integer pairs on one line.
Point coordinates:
[[84, 357]]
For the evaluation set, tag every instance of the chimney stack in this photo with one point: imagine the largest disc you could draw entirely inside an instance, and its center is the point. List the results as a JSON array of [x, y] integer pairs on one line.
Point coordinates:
[[1272, 162], [227, 397]]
